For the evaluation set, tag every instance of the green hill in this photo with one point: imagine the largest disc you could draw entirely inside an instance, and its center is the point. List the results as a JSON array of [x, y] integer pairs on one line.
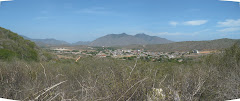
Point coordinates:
[[14, 46]]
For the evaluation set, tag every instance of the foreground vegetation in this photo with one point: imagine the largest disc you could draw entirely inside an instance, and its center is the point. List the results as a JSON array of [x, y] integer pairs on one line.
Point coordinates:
[[213, 77]]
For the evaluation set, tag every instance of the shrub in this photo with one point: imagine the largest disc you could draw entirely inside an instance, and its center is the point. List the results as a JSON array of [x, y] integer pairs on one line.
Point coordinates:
[[6, 54]]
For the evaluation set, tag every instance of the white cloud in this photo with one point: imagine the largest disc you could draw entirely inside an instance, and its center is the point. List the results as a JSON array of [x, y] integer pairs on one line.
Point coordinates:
[[229, 23], [180, 33], [191, 23], [231, 29], [173, 23], [195, 22]]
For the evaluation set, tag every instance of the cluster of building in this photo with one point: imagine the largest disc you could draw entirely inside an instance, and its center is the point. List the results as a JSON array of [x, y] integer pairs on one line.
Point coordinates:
[[129, 53]]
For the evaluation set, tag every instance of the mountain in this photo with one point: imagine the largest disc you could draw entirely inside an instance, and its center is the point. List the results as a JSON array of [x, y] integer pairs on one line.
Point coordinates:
[[125, 39], [54, 42], [47, 42], [152, 39], [50, 42], [188, 45], [108, 40]]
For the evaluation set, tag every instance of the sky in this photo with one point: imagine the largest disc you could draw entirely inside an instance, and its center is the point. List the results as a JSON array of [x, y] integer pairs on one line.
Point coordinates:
[[86, 20]]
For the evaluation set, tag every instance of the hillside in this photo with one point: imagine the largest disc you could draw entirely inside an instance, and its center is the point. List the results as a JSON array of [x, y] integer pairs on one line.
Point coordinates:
[[12, 45], [125, 39], [188, 45]]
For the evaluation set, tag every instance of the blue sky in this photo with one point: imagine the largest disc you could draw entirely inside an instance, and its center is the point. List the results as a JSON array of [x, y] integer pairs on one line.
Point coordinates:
[[86, 20]]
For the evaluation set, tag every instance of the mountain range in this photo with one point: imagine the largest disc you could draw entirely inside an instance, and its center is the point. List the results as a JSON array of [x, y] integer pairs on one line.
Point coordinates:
[[143, 41], [47, 42], [125, 39], [107, 40]]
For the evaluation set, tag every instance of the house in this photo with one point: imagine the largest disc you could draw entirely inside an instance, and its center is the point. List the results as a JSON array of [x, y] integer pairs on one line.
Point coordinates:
[[101, 55], [60, 49], [195, 51]]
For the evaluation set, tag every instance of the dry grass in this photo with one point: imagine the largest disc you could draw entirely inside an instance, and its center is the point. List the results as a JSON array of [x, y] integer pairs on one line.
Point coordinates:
[[105, 79]]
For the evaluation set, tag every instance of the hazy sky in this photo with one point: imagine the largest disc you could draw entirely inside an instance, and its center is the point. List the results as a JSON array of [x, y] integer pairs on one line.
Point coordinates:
[[86, 20]]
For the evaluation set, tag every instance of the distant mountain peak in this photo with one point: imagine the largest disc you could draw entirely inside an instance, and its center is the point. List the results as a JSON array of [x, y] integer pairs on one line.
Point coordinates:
[[123, 34], [117, 35], [141, 34], [125, 39]]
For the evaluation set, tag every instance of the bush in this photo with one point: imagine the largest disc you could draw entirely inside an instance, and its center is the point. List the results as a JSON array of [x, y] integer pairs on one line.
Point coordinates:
[[19, 47], [6, 54]]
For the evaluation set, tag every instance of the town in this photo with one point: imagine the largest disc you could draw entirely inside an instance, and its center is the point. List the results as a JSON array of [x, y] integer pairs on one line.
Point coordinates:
[[126, 54]]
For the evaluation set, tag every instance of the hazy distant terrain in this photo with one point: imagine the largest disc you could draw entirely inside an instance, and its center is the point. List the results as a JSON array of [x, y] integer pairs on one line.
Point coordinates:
[[54, 42], [125, 39], [47, 42]]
